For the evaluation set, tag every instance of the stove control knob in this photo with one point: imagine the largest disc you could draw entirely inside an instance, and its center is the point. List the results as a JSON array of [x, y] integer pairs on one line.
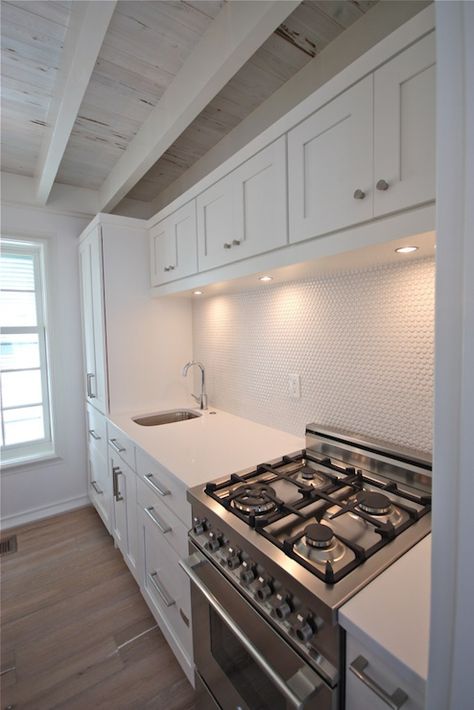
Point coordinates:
[[304, 628], [214, 541], [281, 606], [247, 574], [199, 525], [264, 590], [233, 558]]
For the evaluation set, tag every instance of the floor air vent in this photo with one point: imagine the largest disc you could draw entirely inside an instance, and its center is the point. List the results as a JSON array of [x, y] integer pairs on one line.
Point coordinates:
[[8, 545]]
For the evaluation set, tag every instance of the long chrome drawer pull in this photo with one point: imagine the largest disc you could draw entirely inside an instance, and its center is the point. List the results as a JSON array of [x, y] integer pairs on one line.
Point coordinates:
[[154, 484], [90, 394], [96, 487], [116, 472], [115, 445], [162, 527], [94, 435], [394, 701], [163, 594], [304, 684]]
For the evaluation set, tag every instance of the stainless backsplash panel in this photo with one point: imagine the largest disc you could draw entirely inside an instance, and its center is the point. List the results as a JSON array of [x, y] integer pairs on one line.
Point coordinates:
[[362, 342]]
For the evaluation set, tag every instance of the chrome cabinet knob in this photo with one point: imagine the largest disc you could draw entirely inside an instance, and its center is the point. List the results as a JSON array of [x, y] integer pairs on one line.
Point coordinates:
[[236, 242], [167, 268], [382, 185], [171, 268], [227, 245], [359, 195]]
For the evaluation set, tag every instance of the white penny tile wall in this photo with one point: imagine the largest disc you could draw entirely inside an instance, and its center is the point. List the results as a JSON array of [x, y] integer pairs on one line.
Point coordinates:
[[361, 341]]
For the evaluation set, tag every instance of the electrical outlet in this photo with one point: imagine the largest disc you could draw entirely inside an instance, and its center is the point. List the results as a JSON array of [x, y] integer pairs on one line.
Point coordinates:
[[294, 386]]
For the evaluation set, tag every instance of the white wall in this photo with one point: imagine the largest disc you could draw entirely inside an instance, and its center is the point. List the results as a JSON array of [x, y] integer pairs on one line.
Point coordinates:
[[37, 490], [362, 342]]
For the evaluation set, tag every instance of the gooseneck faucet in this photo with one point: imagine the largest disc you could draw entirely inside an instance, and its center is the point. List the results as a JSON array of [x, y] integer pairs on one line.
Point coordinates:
[[202, 399]]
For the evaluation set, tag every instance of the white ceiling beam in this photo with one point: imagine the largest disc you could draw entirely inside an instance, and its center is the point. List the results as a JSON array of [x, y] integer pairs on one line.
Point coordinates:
[[237, 32], [86, 31]]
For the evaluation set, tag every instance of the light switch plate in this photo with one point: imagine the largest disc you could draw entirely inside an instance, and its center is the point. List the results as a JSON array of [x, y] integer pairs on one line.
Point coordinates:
[[294, 386]]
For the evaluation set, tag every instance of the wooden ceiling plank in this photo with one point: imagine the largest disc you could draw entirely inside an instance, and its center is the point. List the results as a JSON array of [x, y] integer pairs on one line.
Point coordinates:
[[88, 24], [233, 37]]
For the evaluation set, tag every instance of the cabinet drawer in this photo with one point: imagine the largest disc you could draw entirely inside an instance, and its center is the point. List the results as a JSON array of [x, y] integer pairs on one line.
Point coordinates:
[[166, 587], [171, 491], [121, 445], [172, 529], [378, 678], [97, 430]]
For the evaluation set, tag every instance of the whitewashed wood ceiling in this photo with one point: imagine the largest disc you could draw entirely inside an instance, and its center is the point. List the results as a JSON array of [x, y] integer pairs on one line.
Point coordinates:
[[146, 44]]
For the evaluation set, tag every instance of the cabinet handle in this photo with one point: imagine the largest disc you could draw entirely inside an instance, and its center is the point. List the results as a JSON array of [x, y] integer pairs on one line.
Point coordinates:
[[382, 185], [94, 435], [227, 245], [162, 527], [359, 195], [96, 487], [90, 394], [154, 484], [167, 268], [162, 593], [116, 446], [236, 242], [172, 268], [116, 472], [394, 701]]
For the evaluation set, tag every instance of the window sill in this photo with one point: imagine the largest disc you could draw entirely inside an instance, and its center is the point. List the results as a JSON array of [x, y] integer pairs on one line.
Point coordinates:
[[13, 465]]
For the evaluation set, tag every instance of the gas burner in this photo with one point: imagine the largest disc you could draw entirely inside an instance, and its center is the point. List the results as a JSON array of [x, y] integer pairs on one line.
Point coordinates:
[[319, 544], [254, 499], [374, 503], [310, 477]]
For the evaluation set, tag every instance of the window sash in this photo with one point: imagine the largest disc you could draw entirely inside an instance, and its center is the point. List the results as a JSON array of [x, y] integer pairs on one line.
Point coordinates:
[[38, 446]]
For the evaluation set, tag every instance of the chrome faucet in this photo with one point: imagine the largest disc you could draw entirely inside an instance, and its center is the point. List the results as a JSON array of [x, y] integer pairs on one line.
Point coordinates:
[[202, 399]]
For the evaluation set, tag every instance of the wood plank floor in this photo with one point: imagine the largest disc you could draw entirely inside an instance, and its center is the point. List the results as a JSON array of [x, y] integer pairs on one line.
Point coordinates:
[[76, 632]]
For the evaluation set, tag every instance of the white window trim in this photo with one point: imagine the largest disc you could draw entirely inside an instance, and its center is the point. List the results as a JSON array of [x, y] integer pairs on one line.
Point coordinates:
[[15, 455]]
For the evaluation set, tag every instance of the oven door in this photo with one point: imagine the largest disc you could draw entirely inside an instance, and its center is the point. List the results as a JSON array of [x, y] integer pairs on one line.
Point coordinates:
[[245, 663]]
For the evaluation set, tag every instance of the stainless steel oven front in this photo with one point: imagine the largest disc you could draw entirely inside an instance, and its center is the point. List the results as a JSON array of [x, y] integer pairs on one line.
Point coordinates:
[[240, 659]]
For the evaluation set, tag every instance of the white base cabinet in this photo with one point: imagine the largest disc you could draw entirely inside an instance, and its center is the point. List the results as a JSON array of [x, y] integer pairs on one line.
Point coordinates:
[[99, 483], [374, 684]]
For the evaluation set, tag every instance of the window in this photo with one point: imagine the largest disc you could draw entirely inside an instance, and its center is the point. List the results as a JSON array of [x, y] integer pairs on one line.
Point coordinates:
[[26, 429]]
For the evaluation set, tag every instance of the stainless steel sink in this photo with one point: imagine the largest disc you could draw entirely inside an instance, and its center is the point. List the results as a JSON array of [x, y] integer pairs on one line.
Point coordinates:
[[169, 417]]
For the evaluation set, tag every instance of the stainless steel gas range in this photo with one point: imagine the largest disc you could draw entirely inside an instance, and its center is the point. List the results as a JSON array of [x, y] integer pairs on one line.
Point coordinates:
[[276, 550]]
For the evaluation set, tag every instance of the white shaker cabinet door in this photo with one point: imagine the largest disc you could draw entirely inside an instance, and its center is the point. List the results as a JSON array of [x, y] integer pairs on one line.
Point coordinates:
[[173, 246], [216, 226], [330, 172], [405, 122], [93, 319]]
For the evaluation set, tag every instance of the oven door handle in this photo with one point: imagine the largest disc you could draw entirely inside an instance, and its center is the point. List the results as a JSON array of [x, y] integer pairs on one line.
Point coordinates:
[[299, 688]]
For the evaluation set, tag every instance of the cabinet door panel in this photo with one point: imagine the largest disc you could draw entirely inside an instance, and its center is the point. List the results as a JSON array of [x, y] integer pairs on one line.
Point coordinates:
[[174, 247], [215, 224], [100, 491], [405, 126], [120, 529], [261, 202], [329, 158]]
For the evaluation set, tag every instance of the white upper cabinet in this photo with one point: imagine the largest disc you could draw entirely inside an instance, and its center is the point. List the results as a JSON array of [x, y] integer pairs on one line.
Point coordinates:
[[90, 254], [245, 213], [404, 143], [173, 246], [330, 165]]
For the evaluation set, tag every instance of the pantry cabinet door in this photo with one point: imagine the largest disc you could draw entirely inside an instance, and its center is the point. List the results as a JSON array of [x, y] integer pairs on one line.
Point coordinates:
[[330, 172], [260, 202], [174, 247], [405, 122], [216, 227]]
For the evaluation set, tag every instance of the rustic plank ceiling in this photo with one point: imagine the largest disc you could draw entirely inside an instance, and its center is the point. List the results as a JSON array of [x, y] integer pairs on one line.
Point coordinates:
[[145, 46]]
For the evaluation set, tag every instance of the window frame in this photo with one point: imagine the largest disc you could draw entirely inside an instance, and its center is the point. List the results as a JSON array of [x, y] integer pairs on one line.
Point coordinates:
[[39, 449]]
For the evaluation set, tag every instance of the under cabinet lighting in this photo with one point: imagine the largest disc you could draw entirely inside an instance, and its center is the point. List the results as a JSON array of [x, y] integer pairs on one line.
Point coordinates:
[[198, 293], [406, 250], [265, 278]]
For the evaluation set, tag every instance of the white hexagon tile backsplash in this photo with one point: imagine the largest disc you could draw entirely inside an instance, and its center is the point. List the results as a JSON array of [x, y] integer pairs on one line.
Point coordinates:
[[361, 341]]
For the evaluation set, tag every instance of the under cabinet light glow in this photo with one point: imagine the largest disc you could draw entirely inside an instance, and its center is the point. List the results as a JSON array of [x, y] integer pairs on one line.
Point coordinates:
[[265, 278], [198, 293], [406, 250]]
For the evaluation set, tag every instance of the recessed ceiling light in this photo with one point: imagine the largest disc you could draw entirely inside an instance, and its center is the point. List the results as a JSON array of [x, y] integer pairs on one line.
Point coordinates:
[[198, 293], [406, 250], [265, 278]]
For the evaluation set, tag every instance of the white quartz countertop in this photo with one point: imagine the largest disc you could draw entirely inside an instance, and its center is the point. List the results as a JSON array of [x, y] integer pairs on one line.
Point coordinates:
[[391, 615], [208, 447]]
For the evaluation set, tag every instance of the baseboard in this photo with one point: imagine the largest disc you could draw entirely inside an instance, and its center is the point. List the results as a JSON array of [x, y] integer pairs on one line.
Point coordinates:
[[45, 511]]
